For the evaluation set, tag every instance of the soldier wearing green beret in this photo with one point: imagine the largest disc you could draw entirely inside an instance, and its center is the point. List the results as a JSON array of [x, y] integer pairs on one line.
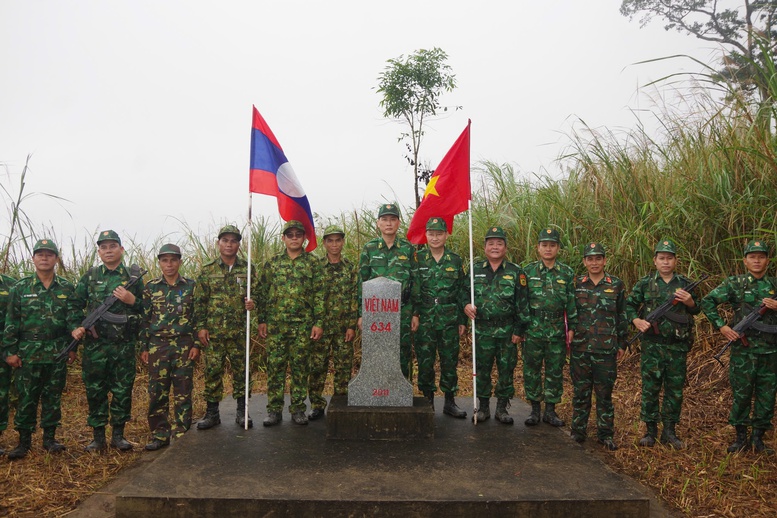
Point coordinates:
[[220, 302], [6, 372], [168, 347], [550, 319], [393, 257], [108, 364], [753, 364], [439, 307], [36, 330], [665, 344], [339, 283], [500, 299], [291, 314], [599, 342]]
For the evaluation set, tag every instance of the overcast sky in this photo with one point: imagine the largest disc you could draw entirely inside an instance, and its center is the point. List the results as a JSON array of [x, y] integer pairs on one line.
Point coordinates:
[[139, 112]]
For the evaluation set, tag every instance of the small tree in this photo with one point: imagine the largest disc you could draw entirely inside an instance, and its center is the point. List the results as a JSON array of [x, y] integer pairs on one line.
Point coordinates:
[[411, 87]]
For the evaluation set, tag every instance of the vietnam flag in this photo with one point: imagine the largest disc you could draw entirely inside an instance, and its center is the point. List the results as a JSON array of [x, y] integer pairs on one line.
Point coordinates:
[[272, 174], [448, 191]]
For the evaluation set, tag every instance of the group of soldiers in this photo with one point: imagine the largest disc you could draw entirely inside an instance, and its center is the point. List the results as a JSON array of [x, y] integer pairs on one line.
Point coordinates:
[[309, 310]]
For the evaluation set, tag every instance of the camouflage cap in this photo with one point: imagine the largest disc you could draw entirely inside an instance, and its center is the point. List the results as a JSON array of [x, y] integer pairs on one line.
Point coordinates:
[[756, 245], [665, 245], [436, 224], [496, 232], [169, 248], [293, 224], [549, 234], [108, 235], [389, 209], [45, 244], [230, 229], [593, 249], [332, 230]]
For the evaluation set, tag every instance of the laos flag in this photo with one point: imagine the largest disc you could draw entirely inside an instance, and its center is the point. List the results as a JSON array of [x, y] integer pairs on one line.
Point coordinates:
[[272, 174]]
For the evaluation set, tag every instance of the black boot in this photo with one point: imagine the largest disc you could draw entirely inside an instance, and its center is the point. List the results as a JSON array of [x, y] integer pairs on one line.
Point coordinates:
[[240, 414], [649, 439], [50, 443], [117, 439], [272, 419], [429, 395], [484, 412], [98, 442], [550, 416], [534, 417], [758, 443], [669, 438], [25, 444], [212, 417], [451, 408], [741, 441], [501, 415]]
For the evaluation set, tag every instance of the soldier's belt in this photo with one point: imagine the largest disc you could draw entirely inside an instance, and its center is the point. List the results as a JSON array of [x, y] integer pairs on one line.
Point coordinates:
[[547, 314], [39, 337], [494, 322], [438, 300]]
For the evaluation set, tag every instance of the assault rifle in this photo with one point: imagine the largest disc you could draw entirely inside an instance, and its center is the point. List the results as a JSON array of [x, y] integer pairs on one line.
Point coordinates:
[[662, 310], [102, 313], [741, 328]]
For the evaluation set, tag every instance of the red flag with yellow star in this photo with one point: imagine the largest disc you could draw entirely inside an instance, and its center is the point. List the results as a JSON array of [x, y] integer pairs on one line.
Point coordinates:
[[448, 191]]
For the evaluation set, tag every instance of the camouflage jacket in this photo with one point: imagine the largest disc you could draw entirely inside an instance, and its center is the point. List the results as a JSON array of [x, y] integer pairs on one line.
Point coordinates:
[[551, 294], [36, 323], [744, 293], [675, 330], [602, 326], [396, 263], [292, 290], [5, 294], [500, 299], [339, 282], [219, 296], [168, 312], [440, 285]]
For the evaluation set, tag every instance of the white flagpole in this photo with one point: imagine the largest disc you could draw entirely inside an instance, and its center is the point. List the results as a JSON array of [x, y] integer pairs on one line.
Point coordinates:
[[248, 313], [472, 301]]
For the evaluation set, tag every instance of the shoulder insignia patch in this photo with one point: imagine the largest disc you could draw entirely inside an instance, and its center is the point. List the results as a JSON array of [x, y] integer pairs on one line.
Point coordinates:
[[609, 290], [561, 281], [61, 296], [450, 269], [523, 280], [508, 277]]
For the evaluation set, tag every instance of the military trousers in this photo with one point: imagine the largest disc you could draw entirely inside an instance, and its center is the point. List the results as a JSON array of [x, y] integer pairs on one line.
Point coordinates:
[[6, 373], [223, 347], [331, 344], [431, 342], [499, 350], [39, 383], [593, 373], [406, 342], [108, 368], [288, 346], [552, 354], [662, 368], [753, 379], [169, 369]]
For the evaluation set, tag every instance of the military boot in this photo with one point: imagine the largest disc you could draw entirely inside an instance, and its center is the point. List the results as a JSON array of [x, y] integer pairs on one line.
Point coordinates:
[[669, 438], [550, 416], [501, 415], [451, 408], [649, 439], [429, 395], [211, 418], [741, 441], [25, 444], [240, 414], [534, 417], [758, 443], [117, 439], [98, 442], [272, 419], [484, 412], [50, 443]]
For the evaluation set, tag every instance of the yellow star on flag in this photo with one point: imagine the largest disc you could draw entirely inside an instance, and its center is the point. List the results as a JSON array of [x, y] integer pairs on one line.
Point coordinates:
[[430, 187]]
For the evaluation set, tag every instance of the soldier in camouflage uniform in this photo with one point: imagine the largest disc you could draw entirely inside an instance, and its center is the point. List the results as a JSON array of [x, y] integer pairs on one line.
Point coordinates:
[[339, 284], [36, 330], [393, 257], [599, 342], [220, 303], [6, 372], [665, 344], [550, 318], [291, 314], [753, 365], [500, 298], [442, 321], [108, 363], [168, 347]]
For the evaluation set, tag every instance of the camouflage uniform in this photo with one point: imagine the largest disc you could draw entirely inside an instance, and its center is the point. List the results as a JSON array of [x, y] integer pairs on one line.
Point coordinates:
[[167, 334], [5, 370]]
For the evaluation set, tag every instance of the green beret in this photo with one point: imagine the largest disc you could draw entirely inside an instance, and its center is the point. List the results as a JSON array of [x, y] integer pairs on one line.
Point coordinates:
[[108, 235], [436, 224], [230, 229], [45, 244]]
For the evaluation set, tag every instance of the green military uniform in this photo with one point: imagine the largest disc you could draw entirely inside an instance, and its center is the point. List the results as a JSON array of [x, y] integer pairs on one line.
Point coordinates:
[[5, 370], [601, 329]]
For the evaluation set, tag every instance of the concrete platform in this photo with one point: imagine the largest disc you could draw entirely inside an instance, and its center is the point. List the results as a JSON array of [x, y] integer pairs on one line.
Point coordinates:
[[385, 423], [292, 470]]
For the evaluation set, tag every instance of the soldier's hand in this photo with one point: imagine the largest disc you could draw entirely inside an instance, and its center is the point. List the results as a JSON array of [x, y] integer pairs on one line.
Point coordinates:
[[684, 297], [642, 325], [71, 357], [770, 303], [516, 339], [316, 333], [194, 354], [570, 336], [462, 330], [620, 354], [123, 295], [204, 336], [359, 323], [262, 330], [350, 334], [471, 311], [414, 322], [78, 333], [14, 361], [249, 304], [144, 357], [729, 333]]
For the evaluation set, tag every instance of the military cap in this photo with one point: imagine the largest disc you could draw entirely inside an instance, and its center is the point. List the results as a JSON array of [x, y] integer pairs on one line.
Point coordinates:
[[496, 232], [230, 229], [389, 209], [593, 249], [108, 235], [45, 244], [665, 245], [292, 224], [549, 234], [332, 230], [436, 224], [169, 248], [756, 245]]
